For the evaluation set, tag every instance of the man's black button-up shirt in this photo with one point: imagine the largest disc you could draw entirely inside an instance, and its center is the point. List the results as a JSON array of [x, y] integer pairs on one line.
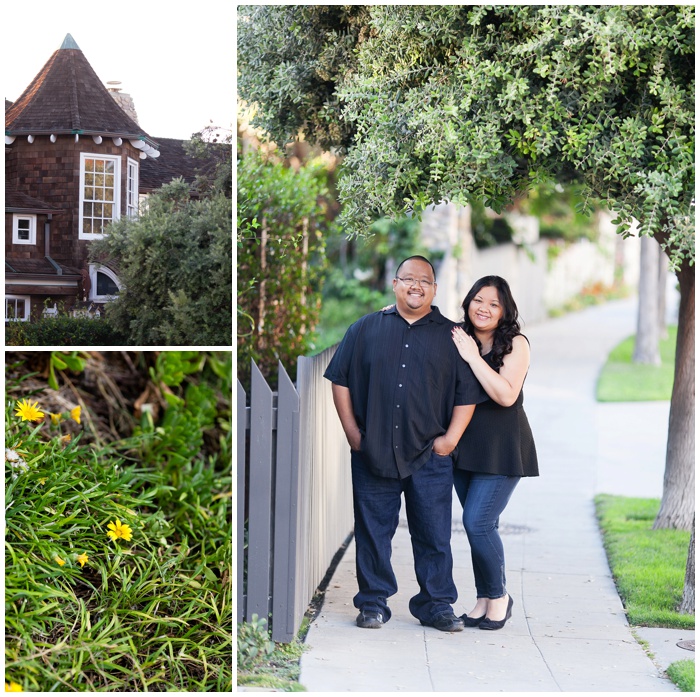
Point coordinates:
[[404, 380]]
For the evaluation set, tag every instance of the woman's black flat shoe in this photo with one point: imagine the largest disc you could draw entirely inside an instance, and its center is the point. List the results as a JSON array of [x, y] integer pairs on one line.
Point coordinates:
[[498, 624], [472, 621]]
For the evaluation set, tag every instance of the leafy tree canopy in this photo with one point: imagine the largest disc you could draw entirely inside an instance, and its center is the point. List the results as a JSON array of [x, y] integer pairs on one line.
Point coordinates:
[[479, 103]]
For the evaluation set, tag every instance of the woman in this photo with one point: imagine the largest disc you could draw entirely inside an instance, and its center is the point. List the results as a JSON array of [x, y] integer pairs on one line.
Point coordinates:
[[497, 449]]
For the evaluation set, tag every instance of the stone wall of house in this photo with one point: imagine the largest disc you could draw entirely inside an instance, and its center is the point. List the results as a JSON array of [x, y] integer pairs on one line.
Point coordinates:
[[50, 172]]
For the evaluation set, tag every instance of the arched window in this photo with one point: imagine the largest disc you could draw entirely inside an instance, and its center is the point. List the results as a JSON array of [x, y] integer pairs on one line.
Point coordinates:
[[104, 283]]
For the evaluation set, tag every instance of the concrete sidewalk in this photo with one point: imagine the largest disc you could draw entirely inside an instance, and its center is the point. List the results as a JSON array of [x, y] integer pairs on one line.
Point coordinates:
[[568, 632]]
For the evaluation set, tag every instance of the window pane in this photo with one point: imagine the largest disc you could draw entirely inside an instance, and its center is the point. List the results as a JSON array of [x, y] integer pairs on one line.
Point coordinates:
[[105, 285], [109, 195], [23, 230], [89, 193], [87, 225], [99, 166], [108, 210], [89, 179], [89, 165], [109, 166], [99, 195]]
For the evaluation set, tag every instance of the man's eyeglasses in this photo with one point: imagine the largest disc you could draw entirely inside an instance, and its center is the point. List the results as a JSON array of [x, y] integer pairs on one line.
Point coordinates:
[[410, 282]]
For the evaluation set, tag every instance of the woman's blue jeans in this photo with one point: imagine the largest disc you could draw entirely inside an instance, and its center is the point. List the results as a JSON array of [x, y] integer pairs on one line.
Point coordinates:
[[484, 497], [377, 501]]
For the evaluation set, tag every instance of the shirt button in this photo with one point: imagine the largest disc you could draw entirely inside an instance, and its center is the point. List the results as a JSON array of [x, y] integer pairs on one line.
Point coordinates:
[[406, 345], [403, 365], [400, 385]]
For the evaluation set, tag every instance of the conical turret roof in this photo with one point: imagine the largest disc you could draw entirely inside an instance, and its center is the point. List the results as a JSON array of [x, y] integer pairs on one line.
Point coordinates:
[[67, 97]]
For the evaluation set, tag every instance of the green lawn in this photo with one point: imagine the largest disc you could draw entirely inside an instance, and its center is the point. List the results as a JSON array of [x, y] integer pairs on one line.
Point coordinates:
[[648, 567], [620, 380]]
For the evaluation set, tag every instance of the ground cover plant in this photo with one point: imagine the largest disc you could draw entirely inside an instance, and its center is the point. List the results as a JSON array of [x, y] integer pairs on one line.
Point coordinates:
[[118, 522], [621, 380]]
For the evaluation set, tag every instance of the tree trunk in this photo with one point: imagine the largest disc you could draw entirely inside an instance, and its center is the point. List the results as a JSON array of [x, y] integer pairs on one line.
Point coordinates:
[[678, 500], [646, 345], [663, 282], [688, 603]]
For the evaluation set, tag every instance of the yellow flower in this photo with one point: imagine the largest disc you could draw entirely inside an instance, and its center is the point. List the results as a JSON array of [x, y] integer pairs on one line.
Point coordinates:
[[82, 558], [28, 411], [42, 480], [13, 687], [117, 530], [59, 560], [55, 418], [75, 414], [66, 438]]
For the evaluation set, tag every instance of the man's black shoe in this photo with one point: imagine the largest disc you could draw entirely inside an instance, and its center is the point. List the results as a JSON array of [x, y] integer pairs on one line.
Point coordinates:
[[445, 622], [369, 619]]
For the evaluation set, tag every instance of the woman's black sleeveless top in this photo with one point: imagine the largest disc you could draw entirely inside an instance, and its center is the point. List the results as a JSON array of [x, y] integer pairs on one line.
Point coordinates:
[[498, 439]]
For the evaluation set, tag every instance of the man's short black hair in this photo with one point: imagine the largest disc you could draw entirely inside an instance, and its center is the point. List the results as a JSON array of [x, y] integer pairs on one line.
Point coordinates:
[[420, 258]]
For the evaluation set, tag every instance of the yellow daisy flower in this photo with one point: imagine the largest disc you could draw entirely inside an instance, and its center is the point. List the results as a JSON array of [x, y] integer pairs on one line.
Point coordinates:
[[117, 530], [66, 438], [75, 414], [55, 418], [59, 561], [13, 687], [82, 558], [28, 411]]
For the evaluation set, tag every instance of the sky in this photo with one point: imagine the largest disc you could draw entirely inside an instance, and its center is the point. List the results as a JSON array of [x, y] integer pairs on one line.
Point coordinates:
[[176, 60]]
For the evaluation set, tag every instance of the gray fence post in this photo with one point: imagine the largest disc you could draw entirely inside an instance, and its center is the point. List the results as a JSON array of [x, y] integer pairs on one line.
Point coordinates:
[[240, 498], [259, 496], [285, 613]]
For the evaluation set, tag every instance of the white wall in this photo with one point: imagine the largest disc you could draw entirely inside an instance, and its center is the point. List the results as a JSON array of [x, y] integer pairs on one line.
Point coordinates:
[[537, 285]]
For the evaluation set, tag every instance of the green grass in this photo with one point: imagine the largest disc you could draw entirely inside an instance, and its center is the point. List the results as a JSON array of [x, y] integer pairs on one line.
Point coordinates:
[[648, 565], [683, 674], [621, 380], [150, 614]]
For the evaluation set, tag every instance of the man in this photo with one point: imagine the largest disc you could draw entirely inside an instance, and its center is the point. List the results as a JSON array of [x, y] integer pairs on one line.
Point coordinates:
[[404, 398]]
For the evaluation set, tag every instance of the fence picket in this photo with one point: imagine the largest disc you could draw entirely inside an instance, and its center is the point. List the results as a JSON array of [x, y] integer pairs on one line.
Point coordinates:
[[241, 498], [285, 613], [260, 495]]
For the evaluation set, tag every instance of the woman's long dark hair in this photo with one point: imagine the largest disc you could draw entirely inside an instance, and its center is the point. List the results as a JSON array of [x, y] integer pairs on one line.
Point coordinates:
[[508, 326]]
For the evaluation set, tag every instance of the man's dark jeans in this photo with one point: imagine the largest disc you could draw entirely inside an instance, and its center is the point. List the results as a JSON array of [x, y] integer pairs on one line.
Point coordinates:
[[377, 501]]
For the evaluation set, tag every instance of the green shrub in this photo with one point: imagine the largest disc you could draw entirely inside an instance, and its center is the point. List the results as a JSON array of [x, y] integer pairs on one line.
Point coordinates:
[[254, 644], [176, 263], [63, 330]]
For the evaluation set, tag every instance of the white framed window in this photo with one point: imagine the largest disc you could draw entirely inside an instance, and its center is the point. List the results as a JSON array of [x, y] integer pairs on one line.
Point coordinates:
[[100, 177], [132, 188], [23, 229], [104, 283], [17, 308]]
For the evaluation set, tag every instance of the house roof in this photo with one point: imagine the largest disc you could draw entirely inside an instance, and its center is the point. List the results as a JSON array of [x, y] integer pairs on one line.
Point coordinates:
[[174, 162], [67, 97], [17, 202], [38, 267]]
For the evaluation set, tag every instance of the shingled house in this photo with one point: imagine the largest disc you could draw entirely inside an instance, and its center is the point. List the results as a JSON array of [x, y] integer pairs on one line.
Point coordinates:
[[75, 161]]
